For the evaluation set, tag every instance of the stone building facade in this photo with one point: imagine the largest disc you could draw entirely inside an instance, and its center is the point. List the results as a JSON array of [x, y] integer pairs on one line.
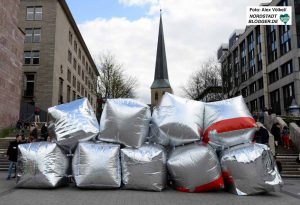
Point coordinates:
[[11, 58], [58, 66], [262, 63]]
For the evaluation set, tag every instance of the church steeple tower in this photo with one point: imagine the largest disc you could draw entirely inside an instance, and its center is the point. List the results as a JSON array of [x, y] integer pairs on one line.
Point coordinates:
[[161, 82]]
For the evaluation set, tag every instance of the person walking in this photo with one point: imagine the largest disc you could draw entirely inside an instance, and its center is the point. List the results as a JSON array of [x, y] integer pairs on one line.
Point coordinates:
[[12, 153], [286, 137], [276, 132], [37, 111], [262, 135]]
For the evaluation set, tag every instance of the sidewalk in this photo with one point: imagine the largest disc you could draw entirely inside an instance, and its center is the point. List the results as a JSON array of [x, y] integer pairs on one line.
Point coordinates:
[[72, 195]]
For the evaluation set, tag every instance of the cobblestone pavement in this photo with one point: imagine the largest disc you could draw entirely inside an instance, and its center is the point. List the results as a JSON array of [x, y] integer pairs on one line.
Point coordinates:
[[9, 195]]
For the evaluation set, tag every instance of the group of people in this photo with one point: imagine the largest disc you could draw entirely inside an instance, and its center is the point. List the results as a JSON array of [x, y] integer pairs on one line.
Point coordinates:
[[281, 136], [12, 150]]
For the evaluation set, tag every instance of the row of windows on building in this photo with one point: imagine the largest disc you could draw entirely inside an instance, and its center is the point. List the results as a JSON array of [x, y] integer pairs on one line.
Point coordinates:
[[286, 69], [29, 89], [75, 95], [76, 83], [288, 94], [246, 71]]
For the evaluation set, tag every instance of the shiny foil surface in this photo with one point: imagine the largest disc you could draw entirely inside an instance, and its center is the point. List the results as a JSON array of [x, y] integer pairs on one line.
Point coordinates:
[[195, 168], [177, 121], [228, 123], [97, 165], [250, 169], [125, 121], [73, 122], [41, 165], [144, 168]]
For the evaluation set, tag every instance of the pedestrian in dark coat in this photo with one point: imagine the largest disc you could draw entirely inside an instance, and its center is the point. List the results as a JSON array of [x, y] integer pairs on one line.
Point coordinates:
[[262, 136], [12, 153], [276, 132]]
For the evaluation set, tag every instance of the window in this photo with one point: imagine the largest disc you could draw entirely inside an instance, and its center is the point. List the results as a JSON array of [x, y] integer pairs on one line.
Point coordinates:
[[74, 63], [29, 85], [70, 37], [36, 35], [30, 13], [288, 94], [82, 75], [79, 53], [69, 56], [271, 43], [32, 35], [27, 57], [35, 57], [83, 60], [74, 81], [260, 83], [31, 57], [275, 101], [253, 105], [28, 35], [75, 46], [285, 39], [156, 96], [78, 86], [245, 92], [60, 91], [38, 13], [252, 87], [79, 70], [82, 90], [34, 13], [68, 93], [69, 76], [287, 68], [74, 95], [261, 102], [273, 76]]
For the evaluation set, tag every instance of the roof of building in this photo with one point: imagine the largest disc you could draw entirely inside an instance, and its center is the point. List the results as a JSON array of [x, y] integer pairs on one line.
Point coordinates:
[[161, 78], [69, 15]]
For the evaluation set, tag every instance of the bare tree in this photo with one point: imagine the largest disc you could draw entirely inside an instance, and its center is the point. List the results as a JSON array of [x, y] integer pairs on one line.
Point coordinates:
[[112, 81], [206, 83]]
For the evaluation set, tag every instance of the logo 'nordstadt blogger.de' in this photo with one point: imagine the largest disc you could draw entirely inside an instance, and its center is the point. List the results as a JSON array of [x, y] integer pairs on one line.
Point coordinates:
[[269, 15]]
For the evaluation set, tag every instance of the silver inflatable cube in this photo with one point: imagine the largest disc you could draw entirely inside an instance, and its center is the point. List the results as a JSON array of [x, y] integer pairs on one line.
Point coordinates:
[[228, 123], [195, 168], [125, 121], [249, 169], [144, 168], [97, 165], [41, 165], [177, 121], [73, 122]]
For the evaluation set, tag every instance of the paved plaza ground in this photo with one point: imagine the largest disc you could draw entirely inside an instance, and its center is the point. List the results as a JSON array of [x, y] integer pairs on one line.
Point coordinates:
[[289, 195]]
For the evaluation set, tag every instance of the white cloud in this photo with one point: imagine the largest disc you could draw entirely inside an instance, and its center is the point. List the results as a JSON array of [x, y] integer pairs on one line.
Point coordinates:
[[193, 31]]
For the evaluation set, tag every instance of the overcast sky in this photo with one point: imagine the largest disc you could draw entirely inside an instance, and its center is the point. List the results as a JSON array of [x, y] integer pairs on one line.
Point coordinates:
[[194, 29]]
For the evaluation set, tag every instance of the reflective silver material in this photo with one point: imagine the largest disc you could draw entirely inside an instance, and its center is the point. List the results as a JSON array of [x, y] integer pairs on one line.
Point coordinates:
[[41, 165], [228, 123], [144, 168], [97, 165], [195, 168], [177, 121], [249, 169], [229, 139], [73, 122], [125, 121]]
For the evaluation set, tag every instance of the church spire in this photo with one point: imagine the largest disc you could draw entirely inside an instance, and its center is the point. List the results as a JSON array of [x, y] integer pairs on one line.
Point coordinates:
[[161, 78]]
